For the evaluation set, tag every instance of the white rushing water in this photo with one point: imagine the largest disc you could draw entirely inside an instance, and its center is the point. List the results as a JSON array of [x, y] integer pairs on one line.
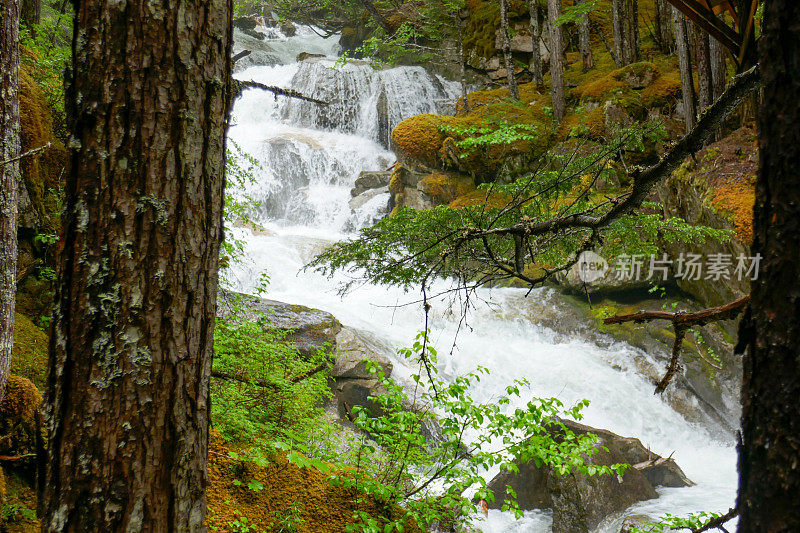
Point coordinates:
[[310, 159]]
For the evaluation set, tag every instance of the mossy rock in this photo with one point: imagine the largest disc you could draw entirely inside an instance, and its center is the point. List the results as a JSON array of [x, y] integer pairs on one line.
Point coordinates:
[[481, 197], [320, 505], [29, 354], [21, 401], [18, 417], [444, 187], [430, 143]]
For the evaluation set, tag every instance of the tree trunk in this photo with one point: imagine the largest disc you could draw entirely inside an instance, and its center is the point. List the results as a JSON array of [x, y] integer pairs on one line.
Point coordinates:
[[617, 16], [585, 42], [30, 13], [769, 472], [131, 344], [508, 59], [9, 177], [537, 69], [719, 70], [684, 61], [663, 29], [556, 60], [705, 90], [625, 20], [632, 30], [462, 61]]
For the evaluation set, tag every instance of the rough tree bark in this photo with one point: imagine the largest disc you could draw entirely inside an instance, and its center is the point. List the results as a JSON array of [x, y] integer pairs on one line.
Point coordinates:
[[719, 70], [131, 344], [625, 21], [585, 41], [663, 29], [508, 59], [769, 465], [556, 60], [684, 61], [9, 177], [537, 69], [702, 46]]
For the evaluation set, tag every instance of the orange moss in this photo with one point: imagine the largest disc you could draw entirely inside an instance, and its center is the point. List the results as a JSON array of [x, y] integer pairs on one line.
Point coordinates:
[[21, 401], [481, 197], [444, 187], [737, 199], [418, 140], [322, 506]]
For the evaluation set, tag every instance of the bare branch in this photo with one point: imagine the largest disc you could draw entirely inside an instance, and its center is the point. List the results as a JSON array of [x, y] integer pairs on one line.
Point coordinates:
[[681, 322], [29, 153], [240, 86], [268, 384]]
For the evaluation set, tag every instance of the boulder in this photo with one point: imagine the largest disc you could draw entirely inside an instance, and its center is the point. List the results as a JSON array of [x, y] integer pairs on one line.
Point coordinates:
[[310, 330], [247, 25], [288, 29], [302, 56], [359, 201], [581, 502], [354, 349], [370, 180], [352, 384], [663, 472]]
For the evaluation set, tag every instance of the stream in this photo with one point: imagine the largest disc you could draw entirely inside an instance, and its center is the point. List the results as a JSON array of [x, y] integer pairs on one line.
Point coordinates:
[[309, 159]]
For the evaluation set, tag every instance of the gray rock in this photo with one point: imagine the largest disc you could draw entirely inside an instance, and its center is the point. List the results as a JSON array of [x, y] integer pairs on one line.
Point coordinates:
[[354, 349], [310, 330], [582, 502], [664, 472], [365, 197], [370, 180], [261, 53]]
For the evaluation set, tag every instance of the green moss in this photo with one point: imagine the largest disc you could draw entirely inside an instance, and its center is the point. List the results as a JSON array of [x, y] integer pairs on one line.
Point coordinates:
[[41, 174], [29, 354]]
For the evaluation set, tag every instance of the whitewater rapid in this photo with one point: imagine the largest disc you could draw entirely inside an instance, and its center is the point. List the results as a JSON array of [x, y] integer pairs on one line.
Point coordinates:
[[309, 160]]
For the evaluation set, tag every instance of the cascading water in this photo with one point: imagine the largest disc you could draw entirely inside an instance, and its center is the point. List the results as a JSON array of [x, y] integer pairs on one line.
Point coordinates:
[[310, 158]]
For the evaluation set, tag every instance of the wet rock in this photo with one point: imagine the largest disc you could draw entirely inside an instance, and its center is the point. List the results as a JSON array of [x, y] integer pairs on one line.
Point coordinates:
[[635, 521], [310, 330], [261, 53], [302, 56], [354, 349], [288, 29], [663, 472], [370, 180], [351, 382], [581, 502], [359, 201]]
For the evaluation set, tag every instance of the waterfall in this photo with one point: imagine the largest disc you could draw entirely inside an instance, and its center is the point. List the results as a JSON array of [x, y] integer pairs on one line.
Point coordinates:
[[310, 157], [364, 100]]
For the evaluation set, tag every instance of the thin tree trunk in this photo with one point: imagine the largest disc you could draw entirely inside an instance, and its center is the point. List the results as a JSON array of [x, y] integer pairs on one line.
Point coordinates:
[[769, 465], [9, 178], [130, 353], [585, 42], [462, 61], [719, 71], [556, 60], [617, 16], [508, 59], [684, 61], [632, 30], [537, 69], [625, 20], [705, 91], [378, 17], [663, 29]]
